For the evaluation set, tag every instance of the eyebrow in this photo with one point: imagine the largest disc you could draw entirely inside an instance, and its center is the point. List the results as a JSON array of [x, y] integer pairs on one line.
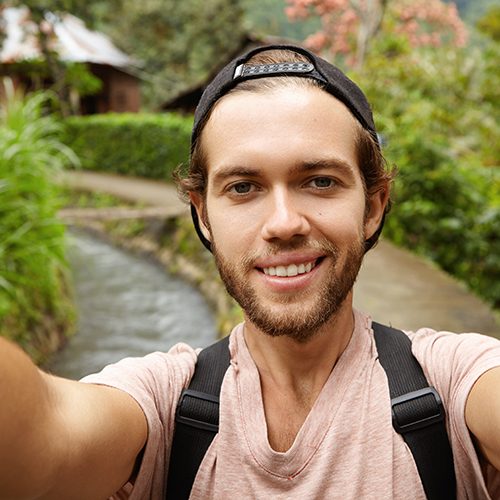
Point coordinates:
[[235, 171], [327, 164], [311, 165]]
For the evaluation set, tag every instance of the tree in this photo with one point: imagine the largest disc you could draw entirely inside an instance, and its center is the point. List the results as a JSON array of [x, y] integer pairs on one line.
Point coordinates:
[[489, 24], [348, 26], [268, 17], [179, 43], [2, 26], [472, 10], [437, 111]]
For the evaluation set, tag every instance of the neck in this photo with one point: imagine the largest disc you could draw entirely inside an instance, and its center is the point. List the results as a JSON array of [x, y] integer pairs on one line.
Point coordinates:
[[291, 364]]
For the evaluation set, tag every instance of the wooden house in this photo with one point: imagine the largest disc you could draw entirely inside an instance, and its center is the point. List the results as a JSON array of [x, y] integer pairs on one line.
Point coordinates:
[[70, 39]]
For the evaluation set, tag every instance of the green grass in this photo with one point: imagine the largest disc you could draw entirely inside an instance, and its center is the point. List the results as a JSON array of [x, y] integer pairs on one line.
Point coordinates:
[[34, 307]]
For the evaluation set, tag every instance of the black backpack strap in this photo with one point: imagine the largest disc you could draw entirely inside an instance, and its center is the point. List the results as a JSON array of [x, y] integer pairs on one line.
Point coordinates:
[[197, 419], [417, 413]]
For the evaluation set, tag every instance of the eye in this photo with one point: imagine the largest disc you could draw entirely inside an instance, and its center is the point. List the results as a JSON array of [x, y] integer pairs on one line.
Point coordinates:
[[241, 188], [322, 182]]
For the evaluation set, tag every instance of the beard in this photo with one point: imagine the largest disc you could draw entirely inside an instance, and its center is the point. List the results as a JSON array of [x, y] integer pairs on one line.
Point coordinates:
[[297, 321]]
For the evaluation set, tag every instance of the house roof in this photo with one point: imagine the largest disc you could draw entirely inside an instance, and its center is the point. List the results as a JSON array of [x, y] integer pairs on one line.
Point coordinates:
[[69, 38]]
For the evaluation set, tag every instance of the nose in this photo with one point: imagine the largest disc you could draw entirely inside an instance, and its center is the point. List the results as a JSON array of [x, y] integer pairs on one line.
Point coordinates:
[[284, 219]]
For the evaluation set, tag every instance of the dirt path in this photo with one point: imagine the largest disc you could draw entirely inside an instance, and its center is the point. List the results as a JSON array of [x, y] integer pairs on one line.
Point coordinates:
[[394, 286], [148, 192]]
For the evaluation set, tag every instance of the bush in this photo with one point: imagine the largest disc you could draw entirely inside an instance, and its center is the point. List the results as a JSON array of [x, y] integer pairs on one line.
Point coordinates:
[[436, 112], [449, 212], [34, 310], [145, 145]]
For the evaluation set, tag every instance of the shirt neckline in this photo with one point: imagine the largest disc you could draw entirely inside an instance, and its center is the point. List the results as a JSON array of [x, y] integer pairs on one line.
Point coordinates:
[[315, 428]]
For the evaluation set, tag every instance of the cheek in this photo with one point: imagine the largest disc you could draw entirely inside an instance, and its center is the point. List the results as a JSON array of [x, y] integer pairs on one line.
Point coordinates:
[[343, 218], [234, 229]]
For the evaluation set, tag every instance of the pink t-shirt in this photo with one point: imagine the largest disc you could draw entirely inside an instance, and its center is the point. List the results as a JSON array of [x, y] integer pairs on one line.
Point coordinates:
[[346, 448]]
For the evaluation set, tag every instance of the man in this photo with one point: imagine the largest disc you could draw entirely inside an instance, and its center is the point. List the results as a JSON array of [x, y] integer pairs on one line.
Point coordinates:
[[289, 190]]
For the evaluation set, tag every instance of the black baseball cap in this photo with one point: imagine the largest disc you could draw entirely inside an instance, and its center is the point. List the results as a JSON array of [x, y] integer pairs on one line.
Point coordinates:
[[332, 80]]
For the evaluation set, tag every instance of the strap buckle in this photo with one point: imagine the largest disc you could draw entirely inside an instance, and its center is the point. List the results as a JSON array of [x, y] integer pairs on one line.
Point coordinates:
[[201, 415], [416, 410]]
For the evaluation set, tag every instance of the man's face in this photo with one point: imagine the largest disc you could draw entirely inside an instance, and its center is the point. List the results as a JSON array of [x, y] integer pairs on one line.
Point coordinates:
[[285, 206]]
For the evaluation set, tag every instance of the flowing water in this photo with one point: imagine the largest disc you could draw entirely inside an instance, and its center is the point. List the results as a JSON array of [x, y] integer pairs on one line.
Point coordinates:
[[127, 306]]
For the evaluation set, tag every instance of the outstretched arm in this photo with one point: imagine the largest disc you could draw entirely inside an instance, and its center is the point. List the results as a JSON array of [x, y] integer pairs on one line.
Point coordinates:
[[482, 414], [60, 438]]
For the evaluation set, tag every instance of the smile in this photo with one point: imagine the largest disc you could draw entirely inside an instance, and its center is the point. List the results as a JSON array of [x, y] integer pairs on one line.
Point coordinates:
[[290, 270]]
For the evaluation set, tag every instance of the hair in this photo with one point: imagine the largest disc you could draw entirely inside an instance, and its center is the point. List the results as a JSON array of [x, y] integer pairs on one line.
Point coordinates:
[[373, 167]]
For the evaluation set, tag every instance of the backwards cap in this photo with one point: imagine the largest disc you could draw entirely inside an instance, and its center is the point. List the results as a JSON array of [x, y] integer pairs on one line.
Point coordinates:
[[332, 79]]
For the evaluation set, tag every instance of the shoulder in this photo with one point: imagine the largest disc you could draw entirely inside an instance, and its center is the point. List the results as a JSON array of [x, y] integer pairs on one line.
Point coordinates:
[[459, 358], [175, 365], [453, 363], [155, 381]]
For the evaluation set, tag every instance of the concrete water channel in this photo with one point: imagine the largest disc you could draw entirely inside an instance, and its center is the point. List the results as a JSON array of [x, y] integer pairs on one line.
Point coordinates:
[[127, 306]]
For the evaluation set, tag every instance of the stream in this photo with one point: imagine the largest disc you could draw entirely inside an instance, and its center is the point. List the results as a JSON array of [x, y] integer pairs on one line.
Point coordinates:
[[127, 306]]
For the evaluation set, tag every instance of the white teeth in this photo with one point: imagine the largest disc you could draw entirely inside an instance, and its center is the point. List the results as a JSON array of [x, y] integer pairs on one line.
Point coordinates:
[[281, 271], [291, 270]]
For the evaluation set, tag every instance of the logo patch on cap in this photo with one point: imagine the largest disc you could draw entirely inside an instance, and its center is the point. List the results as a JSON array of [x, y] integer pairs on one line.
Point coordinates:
[[248, 70]]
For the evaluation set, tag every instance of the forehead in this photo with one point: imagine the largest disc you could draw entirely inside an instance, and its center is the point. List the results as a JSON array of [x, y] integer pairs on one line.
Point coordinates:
[[286, 124]]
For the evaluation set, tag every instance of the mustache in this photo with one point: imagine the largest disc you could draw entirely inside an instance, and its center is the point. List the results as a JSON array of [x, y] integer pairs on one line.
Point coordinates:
[[323, 246]]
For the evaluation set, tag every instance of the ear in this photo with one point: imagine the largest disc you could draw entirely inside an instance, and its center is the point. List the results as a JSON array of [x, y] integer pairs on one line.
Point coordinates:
[[375, 210], [199, 205]]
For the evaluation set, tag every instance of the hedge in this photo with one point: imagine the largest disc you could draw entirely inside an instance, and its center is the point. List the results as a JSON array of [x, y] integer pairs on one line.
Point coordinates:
[[145, 145]]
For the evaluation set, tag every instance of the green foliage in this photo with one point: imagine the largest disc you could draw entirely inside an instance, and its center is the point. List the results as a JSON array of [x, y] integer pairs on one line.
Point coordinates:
[[32, 261], [472, 10], [179, 43], [437, 114], [85, 10], [75, 75], [489, 24], [267, 17], [75, 198], [79, 77], [146, 145]]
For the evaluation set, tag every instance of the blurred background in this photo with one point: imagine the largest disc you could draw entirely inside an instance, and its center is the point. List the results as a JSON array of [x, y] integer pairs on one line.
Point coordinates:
[[108, 87]]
